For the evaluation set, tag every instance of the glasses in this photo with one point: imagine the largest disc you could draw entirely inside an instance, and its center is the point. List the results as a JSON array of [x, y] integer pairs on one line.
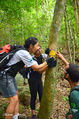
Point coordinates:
[[64, 70], [65, 73]]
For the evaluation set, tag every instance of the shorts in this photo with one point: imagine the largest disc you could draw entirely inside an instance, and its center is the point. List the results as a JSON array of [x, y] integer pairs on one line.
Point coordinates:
[[8, 86]]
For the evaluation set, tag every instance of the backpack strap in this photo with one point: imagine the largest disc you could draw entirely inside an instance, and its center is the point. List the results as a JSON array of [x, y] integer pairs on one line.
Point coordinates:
[[34, 58], [75, 88]]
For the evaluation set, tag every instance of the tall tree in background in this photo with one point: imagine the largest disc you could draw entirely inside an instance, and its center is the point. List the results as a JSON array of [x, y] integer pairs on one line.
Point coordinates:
[[76, 11], [67, 35], [70, 36], [49, 86]]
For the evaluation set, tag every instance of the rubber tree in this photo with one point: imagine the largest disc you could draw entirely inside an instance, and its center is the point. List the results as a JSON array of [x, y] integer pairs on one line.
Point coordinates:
[[46, 105]]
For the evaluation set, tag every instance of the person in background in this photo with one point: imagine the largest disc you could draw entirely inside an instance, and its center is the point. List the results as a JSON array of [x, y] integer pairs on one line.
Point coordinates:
[[71, 74], [35, 81]]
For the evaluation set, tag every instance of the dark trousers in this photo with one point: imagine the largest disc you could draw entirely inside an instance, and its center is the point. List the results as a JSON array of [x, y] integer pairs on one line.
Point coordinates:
[[35, 86]]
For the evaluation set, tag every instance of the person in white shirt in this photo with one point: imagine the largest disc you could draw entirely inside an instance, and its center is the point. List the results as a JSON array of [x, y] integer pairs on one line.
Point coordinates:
[[8, 84]]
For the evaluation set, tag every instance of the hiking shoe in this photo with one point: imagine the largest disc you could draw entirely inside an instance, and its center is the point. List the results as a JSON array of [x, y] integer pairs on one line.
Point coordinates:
[[33, 116]]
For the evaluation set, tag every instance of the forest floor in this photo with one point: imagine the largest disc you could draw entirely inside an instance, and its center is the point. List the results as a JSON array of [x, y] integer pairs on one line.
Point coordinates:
[[60, 106]]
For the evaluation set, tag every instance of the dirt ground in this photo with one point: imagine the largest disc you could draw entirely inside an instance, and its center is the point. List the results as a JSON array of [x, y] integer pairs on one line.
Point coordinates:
[[60, 106]]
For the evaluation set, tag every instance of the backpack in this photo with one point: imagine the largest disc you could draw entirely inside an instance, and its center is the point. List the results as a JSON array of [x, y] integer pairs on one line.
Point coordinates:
[[75, 88], [6, 53]]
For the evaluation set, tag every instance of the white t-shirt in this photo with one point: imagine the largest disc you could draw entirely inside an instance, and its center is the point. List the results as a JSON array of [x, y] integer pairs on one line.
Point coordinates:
[[22, 55], [44, 56]]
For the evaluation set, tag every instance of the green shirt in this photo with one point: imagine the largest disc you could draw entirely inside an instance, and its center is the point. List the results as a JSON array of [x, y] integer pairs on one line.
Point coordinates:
[[74, 102]]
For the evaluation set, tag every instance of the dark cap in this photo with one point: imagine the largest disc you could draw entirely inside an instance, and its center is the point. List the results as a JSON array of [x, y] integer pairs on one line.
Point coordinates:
[[73, 72], [30, 40]]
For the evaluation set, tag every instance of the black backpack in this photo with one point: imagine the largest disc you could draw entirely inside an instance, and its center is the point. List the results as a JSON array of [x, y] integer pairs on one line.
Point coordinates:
[[6, 53]]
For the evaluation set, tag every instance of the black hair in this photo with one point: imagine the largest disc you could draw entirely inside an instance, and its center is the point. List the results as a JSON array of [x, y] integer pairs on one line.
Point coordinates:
[[30, 40], [73, 72]]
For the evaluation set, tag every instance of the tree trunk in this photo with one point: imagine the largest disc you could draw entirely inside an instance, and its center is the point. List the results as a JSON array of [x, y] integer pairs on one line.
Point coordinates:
[[73, 44], [67, 36], [49, 86], [72, 39], [76, 11]]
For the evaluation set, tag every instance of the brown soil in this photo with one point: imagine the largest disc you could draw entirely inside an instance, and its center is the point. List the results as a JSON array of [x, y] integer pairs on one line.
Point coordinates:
[[60, 106]]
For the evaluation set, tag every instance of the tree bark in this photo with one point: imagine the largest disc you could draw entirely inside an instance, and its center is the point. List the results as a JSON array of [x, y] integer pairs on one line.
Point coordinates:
[[49, 86], [76, 11], [67, 35]]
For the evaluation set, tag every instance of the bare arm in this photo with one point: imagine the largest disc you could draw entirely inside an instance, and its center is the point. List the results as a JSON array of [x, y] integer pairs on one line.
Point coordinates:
[[69, 117], [43, 69], [60, 56], [40, 68]]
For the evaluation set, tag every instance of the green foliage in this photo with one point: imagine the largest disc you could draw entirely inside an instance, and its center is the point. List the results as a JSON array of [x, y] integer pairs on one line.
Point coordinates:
[[65, 99], [72, 20], [20, 19], [3, 107]]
